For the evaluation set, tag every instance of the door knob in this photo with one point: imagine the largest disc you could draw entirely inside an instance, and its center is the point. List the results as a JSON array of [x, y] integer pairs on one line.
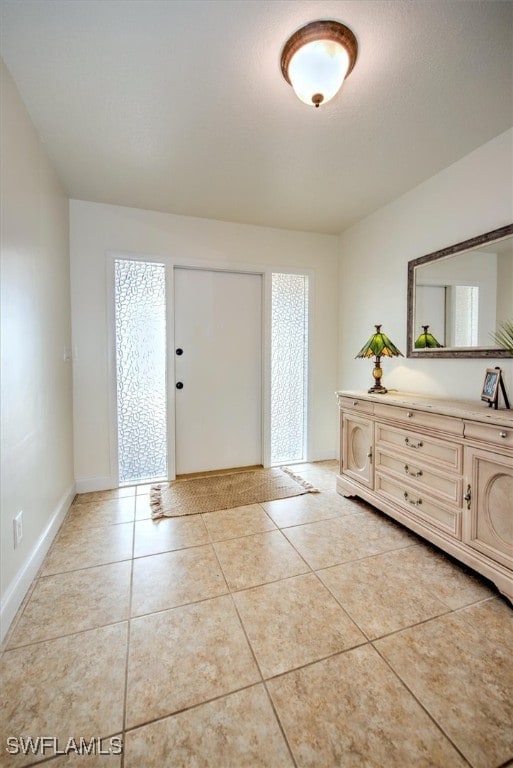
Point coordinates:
[[179, 351], [179, 384]]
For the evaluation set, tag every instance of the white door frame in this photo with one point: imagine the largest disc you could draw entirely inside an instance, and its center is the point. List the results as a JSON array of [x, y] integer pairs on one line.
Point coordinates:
[[171, 263]]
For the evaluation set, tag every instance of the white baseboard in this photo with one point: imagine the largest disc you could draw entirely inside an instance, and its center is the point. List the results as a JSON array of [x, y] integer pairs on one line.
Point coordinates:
[[20, 585], [88, 484]]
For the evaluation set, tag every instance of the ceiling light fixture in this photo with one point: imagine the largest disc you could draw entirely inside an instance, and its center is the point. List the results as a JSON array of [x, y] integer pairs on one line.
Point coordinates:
[[316, 60]]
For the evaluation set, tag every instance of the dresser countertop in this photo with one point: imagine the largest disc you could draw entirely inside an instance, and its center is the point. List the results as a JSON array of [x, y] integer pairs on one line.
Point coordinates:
[[473, 410]]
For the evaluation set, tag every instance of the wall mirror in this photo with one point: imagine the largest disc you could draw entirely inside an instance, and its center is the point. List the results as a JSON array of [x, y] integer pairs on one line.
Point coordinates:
[[458, 296]]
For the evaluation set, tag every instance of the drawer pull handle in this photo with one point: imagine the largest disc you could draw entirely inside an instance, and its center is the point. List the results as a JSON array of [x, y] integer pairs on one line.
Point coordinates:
[[468, 496], [410, 414], [355, 402], [413, 502], [413, 445], [418, 473], [503, 434]]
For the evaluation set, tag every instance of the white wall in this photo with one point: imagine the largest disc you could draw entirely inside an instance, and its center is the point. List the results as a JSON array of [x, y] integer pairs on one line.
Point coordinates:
[[470, 197], [36, 408], [97, 229]]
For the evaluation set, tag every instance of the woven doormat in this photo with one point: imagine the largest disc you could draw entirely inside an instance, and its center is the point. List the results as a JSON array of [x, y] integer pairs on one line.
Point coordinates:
[[209, 494]]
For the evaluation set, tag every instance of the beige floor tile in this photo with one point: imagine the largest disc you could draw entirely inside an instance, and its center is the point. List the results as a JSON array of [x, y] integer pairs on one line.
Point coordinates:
[[351, 710], [450, 582], [237, 731], [67, 687], [175, 578], [385, 592], [294, 622], [115, 493], [168, 533], [94, 514], [186, 656], [322, 479], [494, 617], [142, 490], [143, 507], [232, 523], [330, 465], [308, 508], [103, 753], [73, 551], [73, 602], [346, 538], [345, 505], [12, 627], [63, 672], [257, 559], [463, 679]]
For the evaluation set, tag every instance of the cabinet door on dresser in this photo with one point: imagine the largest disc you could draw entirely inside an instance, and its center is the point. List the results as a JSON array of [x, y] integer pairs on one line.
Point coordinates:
[[488, 518], [357, 448]]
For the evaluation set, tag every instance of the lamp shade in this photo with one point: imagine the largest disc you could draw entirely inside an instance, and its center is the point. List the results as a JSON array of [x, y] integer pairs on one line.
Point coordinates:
[[426, 340], [317, 59], [379, 345], [318, 69]]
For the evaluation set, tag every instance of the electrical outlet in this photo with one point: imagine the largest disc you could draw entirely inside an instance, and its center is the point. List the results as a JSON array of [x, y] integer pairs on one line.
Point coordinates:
[[18, 528]]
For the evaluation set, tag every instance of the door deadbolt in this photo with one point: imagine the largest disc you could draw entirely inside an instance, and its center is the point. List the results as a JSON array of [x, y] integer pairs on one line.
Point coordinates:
[[179, 351], [179, 384]]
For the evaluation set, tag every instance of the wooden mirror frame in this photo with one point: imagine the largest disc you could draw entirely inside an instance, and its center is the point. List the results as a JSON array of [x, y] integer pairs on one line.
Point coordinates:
[[466, 245]]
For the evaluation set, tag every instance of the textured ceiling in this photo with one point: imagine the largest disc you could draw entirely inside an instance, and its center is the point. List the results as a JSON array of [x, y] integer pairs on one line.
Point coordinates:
[[180, 106]]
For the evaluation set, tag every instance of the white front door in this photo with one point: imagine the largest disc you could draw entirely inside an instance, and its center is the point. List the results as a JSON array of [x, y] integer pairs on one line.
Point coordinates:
[[218, 372]]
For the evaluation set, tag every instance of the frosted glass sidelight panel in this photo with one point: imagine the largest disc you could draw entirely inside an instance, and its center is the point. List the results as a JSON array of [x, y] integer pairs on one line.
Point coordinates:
[[140, 310], [289, 367], [466, 303]]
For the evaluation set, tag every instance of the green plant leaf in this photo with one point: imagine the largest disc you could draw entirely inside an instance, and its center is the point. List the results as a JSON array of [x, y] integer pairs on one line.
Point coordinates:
[[503, 336]]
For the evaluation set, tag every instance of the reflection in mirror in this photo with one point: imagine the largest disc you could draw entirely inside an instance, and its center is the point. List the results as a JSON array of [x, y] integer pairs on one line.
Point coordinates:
[[426, 340], [462, 294]]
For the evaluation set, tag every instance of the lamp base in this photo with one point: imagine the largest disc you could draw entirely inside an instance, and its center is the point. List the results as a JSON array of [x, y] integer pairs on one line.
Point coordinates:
[[377, 390]]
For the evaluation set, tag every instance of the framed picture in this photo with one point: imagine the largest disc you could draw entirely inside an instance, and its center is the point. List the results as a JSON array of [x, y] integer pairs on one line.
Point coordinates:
[[491, 385]]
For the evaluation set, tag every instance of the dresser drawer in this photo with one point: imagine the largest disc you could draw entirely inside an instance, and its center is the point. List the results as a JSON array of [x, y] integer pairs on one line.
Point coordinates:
[[415, 446], [420, 419], [500, 436], [356, 405], [421, 476], [420, 504]]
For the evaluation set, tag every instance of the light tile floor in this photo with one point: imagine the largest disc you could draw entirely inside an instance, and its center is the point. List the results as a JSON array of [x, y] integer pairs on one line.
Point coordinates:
[[311, 631]]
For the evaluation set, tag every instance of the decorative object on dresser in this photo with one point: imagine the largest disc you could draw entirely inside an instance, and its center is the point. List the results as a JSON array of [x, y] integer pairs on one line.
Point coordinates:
[[378, 346], [490, 392], [426, 340], [443, 468]]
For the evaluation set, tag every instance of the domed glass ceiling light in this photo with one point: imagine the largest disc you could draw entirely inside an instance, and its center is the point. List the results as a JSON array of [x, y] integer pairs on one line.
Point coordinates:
[[316, 60]]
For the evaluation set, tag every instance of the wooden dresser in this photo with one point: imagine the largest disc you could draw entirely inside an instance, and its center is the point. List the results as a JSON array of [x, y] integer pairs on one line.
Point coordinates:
[[443, 468]]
